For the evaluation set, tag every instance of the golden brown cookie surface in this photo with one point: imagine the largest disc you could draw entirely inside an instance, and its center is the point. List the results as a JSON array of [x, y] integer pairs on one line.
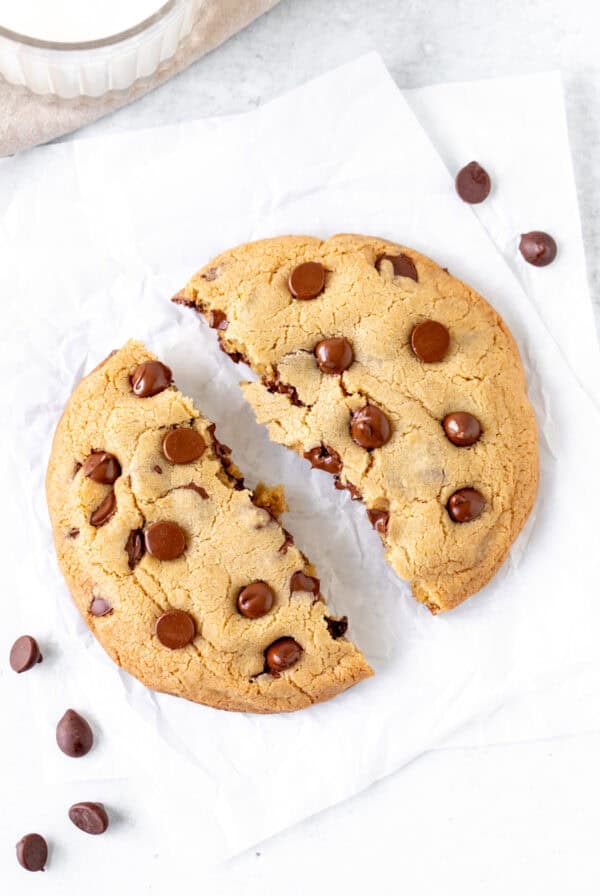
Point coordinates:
[[157, 540], [382, 368]]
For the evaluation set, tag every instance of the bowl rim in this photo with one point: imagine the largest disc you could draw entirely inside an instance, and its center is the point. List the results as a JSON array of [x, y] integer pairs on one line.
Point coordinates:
[[110, 40]]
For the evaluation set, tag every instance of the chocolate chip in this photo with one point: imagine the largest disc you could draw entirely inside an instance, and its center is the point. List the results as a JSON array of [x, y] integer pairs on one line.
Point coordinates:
[[282, 655], [466, 505], [322, 457], [348, 487], [402, 265], [102, 467], [288, 539], [255, 600], [334, 355], [301, 582], [462, 428], [370, 428], [337, 627], [74, 735], [430, 341], [134, 547], [175, 629], [104, 511], [32, 852], [307, 280], [283, 389], [165, 540], [473, 183], [183, 445], [100, 607], [24, 654], [91, 818], [210, 274], [150, 378], [73, 533], [221, 450], [379, 519], [157, 469], [196, 488], [538, 248], [217, 320]]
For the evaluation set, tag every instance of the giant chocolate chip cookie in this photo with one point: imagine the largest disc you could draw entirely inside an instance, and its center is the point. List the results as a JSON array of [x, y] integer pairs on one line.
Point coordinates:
[[185, 577], [381, 368]]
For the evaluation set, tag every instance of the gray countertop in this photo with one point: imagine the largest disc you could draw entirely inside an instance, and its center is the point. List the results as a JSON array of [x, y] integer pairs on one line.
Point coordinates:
[[422, 42]]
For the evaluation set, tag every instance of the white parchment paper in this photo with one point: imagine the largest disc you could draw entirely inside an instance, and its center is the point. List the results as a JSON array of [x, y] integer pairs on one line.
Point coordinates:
[[96, 236]]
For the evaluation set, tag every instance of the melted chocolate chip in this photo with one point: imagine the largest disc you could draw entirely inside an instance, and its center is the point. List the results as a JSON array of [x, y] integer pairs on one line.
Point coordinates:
[[473, 183], [102, 467], [175, 629], [462, 428], [74, 735], [196, 488], [337, 627], [100, 607], [379, 519], [402, 265], [217, 320], [165, 540], [104, 511], [334, 355], [150, 378], [370, 428], [307, 280], [300, 581], [255, 600], [430, 341], [283, 389], [322, 457], [348, 487], [466, 505], [73, 533], [282, 655], [135, 547], [157, 469], [288, 539], [183, 445]]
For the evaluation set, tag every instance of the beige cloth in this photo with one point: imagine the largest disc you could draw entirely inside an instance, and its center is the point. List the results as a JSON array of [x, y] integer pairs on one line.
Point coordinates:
[[27, 119]]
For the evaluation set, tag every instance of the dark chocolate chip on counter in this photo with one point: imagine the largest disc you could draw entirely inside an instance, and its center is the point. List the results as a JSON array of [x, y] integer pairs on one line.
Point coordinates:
[[255, 600], [175, 629], [322, 457], [466, 505], [473, 183], [402, 265], [102, 467], [370, 428], [104, 511], [430, 341], [337, 627], [538, 248], [74, 735], [462, 428], [32, 852], [135, 547], [334, 355], [24, 654], [379, 519], [307, 280], [282, 655], [99, 606], [150, 378], [300, 581], [164, 540], [91, 818]]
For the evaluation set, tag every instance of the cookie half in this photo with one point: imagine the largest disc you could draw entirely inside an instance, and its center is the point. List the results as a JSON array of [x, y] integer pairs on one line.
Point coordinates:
[[384, 370], [186, 578]]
